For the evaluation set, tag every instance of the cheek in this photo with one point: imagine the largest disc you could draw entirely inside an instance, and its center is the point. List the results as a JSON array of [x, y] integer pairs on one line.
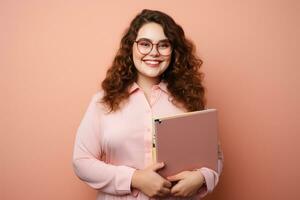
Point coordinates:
[[137, 61], [137, 57], [167, 63]]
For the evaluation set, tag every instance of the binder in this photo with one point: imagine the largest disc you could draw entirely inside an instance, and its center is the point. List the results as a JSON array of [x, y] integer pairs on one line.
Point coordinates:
[[186, 141]]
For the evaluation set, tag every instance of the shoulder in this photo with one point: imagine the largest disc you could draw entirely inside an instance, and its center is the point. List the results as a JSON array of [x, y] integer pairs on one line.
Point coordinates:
[[96, 100], [98, 95]]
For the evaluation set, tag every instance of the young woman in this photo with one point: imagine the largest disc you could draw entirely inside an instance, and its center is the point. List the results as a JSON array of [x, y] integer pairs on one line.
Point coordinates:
[[154, 73]]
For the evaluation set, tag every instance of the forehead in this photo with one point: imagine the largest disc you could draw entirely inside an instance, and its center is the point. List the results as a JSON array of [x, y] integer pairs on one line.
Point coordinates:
[[152, 31]]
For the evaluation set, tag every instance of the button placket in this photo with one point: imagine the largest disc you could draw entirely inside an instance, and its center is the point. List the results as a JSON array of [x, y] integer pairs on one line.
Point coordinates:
[[148, 138]]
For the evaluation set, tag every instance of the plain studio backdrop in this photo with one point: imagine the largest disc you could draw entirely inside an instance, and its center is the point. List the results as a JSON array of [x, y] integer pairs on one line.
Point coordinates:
[[54, 54]]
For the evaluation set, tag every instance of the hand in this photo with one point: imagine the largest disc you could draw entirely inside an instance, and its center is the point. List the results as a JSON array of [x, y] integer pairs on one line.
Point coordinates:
[[150, 182], [189, 182]]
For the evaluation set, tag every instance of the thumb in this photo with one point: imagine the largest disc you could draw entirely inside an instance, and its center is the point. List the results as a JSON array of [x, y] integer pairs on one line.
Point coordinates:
[[157, 166], [176, 177]]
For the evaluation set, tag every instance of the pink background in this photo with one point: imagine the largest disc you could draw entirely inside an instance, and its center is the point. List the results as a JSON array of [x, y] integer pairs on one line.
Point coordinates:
[[53, 55]]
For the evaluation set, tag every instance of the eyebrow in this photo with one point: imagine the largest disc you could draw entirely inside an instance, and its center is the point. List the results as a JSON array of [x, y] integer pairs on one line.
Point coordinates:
[[163, 40]]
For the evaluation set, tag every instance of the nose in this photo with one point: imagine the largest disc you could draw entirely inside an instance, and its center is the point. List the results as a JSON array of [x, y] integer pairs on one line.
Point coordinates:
[[154, 51]]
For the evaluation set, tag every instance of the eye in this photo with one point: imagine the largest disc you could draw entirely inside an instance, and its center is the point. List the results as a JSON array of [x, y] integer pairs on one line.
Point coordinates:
[[144, 43], [164, 45]]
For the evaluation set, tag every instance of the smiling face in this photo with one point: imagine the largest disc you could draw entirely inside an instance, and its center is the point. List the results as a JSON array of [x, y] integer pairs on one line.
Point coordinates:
[[153, 64]]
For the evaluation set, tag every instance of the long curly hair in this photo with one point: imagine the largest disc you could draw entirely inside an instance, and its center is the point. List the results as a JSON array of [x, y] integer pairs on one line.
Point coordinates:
[[183, 78]]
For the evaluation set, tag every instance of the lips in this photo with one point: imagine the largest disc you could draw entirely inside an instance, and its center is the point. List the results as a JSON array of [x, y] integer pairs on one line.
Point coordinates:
[[152, 62]]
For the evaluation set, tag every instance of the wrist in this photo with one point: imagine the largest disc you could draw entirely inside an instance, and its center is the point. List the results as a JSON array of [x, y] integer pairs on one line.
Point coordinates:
[[202, 177], [135, 179]]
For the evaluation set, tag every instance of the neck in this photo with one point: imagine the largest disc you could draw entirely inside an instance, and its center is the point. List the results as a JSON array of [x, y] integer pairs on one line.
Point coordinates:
[[146, 83]]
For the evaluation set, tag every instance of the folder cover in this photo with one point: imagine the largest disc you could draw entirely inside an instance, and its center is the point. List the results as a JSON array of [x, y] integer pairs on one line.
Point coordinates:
[[186, 141]]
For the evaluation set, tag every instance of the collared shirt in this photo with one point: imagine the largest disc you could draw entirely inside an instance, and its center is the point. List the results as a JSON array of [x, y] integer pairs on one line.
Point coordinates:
[[109, 147]]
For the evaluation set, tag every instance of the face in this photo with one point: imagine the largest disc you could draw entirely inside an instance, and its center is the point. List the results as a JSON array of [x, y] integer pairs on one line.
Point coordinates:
[[150, 66]]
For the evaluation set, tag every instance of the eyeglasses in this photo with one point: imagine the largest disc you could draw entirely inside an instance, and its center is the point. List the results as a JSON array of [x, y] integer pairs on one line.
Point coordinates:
[[145, 46]]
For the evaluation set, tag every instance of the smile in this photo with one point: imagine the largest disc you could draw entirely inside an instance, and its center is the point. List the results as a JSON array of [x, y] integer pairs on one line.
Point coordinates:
[[152, 62]]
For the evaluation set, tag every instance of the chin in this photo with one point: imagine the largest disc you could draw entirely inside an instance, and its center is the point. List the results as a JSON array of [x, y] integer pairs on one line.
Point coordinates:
[[151, 75]]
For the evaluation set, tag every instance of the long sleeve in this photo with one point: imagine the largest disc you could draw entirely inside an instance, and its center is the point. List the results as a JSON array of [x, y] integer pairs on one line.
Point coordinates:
[[87, 165], [212, 177]]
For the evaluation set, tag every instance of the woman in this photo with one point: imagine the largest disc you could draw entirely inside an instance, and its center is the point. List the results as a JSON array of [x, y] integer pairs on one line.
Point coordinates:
[[155, 72]]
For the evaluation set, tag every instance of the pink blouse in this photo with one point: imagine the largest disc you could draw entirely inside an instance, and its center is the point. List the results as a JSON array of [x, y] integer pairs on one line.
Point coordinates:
[[110, 147]]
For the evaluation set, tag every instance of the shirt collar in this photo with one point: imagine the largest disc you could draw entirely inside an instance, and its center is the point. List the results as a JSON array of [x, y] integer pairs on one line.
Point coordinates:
[[133, 87], [162, 85]]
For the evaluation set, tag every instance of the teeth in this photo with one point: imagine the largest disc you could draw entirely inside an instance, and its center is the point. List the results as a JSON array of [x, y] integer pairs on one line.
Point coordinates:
[[153, 62]]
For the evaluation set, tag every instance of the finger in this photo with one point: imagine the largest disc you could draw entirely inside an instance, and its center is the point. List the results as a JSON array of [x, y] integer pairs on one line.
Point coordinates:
[[167, 184], [164, 191], [157, 166], [176, 177], [161, 194], [175, 194], [176, 188]]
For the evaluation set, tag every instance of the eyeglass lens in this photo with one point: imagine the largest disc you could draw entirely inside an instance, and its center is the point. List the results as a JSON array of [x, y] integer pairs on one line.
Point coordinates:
[[145, 47]]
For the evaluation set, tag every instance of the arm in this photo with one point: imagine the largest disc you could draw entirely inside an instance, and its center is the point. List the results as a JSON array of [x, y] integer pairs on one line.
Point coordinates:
[[87, 165], [211, 177], [200, 181]]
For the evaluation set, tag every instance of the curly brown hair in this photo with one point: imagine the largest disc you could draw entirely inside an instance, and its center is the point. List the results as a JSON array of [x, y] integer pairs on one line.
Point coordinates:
[[183, 78]]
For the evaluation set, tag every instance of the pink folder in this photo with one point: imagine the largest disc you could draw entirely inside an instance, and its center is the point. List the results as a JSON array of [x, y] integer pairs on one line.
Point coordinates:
[[186, 141]]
